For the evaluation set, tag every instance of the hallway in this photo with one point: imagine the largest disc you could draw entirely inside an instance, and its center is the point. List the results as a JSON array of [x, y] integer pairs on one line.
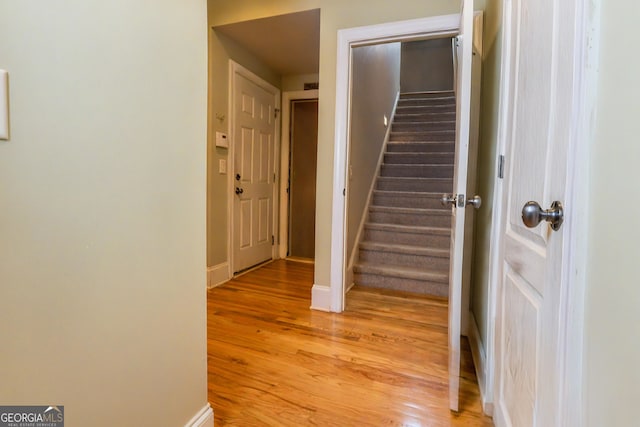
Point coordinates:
[[273, 361]]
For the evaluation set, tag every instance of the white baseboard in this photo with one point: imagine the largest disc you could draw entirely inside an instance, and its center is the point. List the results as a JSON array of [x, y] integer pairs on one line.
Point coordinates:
[[204, 418], [480, 362], [217, 275], [321, 298]]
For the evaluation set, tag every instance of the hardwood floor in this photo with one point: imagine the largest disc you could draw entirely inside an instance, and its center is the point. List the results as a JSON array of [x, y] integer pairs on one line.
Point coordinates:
[[383, 362]]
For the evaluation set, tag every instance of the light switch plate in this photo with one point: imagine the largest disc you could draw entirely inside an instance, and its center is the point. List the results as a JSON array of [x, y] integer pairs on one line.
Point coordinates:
[[4, 105]]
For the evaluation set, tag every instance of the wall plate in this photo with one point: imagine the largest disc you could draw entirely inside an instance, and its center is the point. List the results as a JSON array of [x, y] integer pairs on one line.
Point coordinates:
[[4, 105]]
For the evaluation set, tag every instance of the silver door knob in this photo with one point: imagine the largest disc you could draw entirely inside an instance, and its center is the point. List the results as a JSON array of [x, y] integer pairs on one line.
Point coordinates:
[[475, 201], [448, 199], [533, 214]]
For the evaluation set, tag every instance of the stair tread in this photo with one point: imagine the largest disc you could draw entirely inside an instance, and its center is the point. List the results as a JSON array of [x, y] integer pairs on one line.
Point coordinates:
[[443, 211], [386, 178], [416, 229], [421, 194], [402, 272], [405, 249], [420, 165]]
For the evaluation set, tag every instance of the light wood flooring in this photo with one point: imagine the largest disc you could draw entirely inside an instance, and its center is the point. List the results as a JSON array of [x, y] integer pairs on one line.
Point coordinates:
[[383, 362]]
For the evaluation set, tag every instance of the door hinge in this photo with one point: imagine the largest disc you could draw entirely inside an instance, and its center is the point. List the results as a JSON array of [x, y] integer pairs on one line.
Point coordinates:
[[501, 166], [274, 177], [273, 240], [275, 113]]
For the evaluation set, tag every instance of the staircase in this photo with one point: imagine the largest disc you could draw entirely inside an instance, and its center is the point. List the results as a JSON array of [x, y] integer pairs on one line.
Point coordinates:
[[405, 243]]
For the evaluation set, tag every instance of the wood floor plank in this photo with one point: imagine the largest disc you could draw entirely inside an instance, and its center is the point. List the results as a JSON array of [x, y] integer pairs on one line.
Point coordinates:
[[383, 362]]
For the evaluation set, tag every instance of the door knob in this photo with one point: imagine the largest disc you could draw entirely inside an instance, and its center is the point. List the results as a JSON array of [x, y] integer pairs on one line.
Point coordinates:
[[238, 177], [533, 214], [475, 201], [448, 199], [239, 190]]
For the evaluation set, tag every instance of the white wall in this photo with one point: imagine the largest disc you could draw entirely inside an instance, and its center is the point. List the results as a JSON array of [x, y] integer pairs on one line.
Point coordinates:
[[613, 289], [102, 218], [375, 85]]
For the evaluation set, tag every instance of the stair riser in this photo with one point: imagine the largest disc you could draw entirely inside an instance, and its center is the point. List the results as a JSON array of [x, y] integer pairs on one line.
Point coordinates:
[[436, 241], [420, 220], [400, 201], [417, 171], [423, 126], [426, 109], [421, 186], [395, 158], [421, 102], [440, 136], [429, 117], [406, 285], [431, 94], [405, 260], [421, 147]]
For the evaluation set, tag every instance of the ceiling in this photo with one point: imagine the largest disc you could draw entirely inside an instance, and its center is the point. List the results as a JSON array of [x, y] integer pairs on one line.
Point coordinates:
[[289, 44]]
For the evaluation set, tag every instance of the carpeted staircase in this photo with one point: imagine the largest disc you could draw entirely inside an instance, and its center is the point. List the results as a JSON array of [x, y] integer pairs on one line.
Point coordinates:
[[405, 243]]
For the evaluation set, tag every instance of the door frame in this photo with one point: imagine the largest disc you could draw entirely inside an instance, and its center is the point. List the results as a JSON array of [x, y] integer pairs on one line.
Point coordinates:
[[414, 29], [573, 280], [285, 142], [236, 68]]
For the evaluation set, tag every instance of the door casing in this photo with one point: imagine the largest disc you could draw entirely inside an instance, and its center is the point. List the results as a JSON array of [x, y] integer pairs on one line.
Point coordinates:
[[331, 298]]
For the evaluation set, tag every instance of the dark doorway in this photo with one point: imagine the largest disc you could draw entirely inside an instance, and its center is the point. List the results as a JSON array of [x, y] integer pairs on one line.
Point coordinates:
[[302, 178]]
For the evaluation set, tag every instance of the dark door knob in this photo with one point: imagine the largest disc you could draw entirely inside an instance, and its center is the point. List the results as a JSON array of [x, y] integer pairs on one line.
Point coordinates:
[[239, 190]]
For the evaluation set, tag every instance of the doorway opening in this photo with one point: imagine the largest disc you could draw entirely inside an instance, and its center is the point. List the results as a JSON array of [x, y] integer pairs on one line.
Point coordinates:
[[299, 170]]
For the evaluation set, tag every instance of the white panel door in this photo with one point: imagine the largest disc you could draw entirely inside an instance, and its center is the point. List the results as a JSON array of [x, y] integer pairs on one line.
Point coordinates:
[[464, 52], [253, 173], [538, 46]]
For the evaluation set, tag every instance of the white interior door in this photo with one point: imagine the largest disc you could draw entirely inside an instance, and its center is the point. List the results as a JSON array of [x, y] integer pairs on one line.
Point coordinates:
[[538, 112], [253, 173], [464, 52]]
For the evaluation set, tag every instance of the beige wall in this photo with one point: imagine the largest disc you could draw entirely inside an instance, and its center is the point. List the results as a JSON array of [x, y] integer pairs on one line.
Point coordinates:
[[613, 288], [486, 161], [297, 81], [102, 188], [427, 65], [376, 83], [334, 15]]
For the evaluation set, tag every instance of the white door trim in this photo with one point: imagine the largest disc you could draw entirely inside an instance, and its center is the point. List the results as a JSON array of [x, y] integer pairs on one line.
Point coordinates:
[[235, 68], [438, 26], [571, 318], [287, 97]]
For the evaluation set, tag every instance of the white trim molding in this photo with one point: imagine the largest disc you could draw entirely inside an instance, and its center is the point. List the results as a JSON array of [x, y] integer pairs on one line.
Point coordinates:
[[217, 275], [480, 363], [321, 298], [433, 27], [204, 418]]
